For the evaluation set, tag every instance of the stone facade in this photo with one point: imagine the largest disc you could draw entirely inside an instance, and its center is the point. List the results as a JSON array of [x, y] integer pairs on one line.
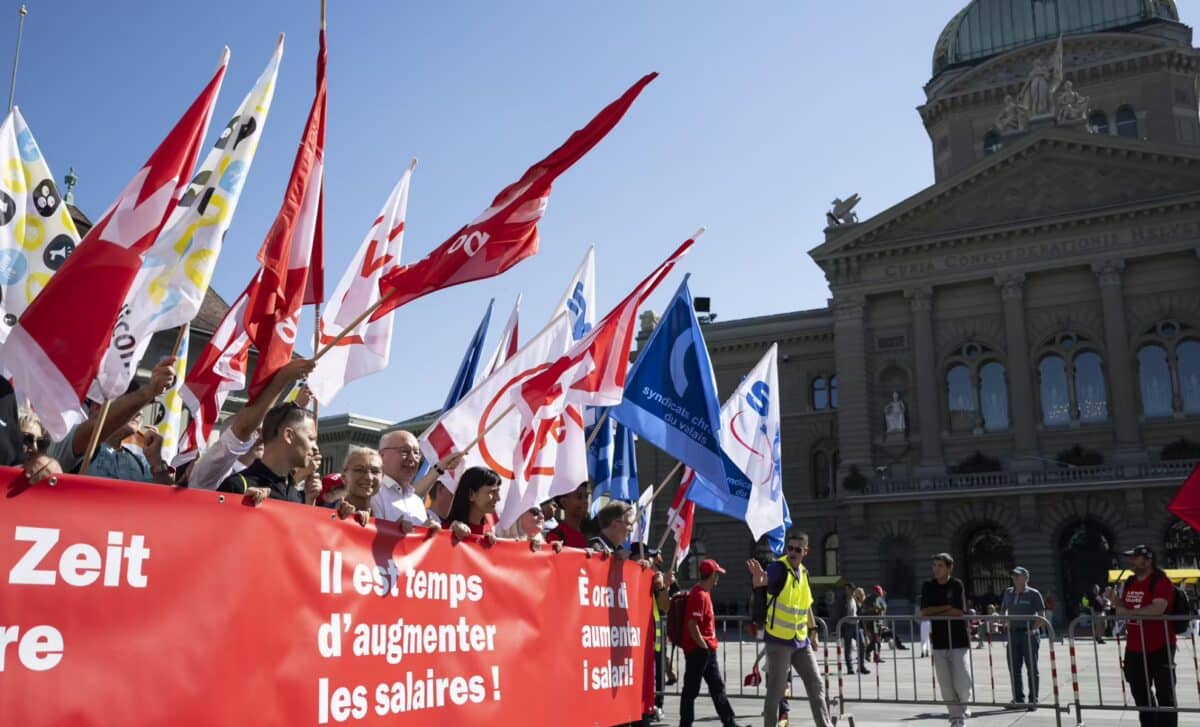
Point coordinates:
[[1032, 310]]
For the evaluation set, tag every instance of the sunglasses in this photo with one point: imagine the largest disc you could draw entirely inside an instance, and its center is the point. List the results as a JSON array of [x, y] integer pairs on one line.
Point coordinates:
[[794, 549], [41, 443]]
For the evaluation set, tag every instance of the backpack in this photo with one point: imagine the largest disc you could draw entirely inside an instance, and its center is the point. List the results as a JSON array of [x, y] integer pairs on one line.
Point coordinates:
[[1179, 605], [677, 617]]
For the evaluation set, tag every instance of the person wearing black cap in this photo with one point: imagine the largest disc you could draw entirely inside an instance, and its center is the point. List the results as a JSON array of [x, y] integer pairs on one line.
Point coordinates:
[[1023, 634], [1150, 648], [944, 596], [700, 650]]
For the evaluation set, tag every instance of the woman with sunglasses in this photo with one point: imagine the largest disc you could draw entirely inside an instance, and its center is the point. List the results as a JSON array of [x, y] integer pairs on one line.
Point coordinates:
[[34, 442]]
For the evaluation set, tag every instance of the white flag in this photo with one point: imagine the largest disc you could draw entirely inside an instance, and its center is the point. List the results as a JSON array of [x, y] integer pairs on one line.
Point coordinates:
[[171, 425], [579, 300], [751, 436], [641, 526], [366, 350], [176, 270], [36, 230], [508, 344]]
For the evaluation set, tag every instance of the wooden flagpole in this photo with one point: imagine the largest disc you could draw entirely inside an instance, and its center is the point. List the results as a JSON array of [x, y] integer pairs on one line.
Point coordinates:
[[95, 438], [596, 429]]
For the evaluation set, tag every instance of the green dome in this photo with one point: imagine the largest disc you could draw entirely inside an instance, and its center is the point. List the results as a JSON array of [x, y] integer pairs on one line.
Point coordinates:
[[987, 27]]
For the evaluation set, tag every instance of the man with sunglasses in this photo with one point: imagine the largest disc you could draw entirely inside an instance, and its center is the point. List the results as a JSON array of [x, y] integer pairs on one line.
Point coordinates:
[[400, 498], [790, 641]]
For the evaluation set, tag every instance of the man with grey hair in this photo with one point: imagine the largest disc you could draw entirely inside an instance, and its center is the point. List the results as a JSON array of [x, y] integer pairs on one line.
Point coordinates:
[[1023, 634], [399, 497]]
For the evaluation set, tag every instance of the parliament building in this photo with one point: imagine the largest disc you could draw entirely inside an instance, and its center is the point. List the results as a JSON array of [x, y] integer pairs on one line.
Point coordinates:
[[1009, 365]]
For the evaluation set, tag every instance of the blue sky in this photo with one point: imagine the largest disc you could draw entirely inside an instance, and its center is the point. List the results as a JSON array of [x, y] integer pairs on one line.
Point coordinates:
[[763, 113]]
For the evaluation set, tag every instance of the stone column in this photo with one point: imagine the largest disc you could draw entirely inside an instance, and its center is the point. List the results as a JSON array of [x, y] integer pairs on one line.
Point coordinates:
[[850, 352], [928, 382], [1121, 378], [1020, 373]]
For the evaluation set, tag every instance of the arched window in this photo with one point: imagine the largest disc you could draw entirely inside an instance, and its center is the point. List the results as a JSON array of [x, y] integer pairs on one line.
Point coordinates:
[[1071, 382], [833, 392], [991, 143], [988, 567], [824, 470], [1099, 122], [1127, 123], [820, 393], [976, 391], [829, 549], [1182, 546], [1169, 370]]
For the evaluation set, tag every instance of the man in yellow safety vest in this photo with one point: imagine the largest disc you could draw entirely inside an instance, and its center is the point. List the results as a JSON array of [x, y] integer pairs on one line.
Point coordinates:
[[791, 633]]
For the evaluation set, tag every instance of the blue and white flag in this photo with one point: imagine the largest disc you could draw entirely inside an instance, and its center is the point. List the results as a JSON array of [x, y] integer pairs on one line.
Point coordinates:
[[777, 537], [670, 397], [579, 300], [750, 437], [641, 525], [613, 468]]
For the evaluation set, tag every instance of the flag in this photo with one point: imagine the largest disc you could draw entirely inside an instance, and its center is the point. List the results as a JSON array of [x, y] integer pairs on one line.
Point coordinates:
[[509, 341], [506, 232], [670, 399], [752, 489], [1186, 503], [220, 369], [170, 427], [283, 283], [680, 518], [36, 230], [579, 300], [368, 348], [469, 420], [599, 454], [618, 475], [52, 369], [778, 537], [641, 525], [176, 270], [593, 372]]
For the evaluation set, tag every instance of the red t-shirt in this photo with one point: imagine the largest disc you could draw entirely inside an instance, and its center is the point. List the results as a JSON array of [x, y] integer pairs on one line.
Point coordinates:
[[569, 536], [481, 528], [1137, 595], [700, 609]]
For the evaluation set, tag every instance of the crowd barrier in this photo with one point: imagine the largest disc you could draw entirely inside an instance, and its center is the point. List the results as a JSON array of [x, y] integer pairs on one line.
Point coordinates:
[[1134, 670]]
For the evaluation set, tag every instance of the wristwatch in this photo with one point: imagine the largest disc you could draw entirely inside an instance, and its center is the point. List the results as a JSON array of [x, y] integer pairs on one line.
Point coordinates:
[[438, 468]]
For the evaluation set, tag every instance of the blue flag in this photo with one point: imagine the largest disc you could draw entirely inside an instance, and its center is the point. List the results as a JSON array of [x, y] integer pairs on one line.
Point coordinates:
[[670, 394], [612, 465], [777, 537]]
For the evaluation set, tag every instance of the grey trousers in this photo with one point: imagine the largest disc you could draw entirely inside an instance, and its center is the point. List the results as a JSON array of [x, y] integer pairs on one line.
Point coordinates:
[[954, 677], [779, 657]]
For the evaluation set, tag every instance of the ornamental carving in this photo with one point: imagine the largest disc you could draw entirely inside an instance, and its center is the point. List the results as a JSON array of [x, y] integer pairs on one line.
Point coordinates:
[[1146, 310], [953, 333], [1085, 320]]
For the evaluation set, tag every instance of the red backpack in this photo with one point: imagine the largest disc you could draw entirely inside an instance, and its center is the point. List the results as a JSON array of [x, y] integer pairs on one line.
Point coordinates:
[[677, 617]]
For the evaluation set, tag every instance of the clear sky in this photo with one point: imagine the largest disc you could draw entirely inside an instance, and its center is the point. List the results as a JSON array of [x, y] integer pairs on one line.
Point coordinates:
[[763, 113]]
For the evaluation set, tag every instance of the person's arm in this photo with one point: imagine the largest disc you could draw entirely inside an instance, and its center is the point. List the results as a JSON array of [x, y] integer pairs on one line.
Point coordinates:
[[961, 599], [159, 471], [693, 629], [122, 408], [251, 416], [445, 464]]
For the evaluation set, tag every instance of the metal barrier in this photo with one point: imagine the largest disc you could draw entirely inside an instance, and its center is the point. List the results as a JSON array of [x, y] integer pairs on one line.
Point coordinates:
[[849, 630], [1134, 665]]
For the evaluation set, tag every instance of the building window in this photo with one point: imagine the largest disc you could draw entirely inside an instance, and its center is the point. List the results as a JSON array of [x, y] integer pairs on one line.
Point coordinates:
[[976, 391], [991, 143], [1169, 370], [988, 567], [1127, 123], [1072, 383], [824, 393], [833, 392], [1182, 546], [830, 551], [1099, 122], [824, 470]]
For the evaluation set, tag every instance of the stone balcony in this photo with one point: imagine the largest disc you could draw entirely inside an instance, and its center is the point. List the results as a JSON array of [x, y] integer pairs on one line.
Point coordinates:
[[1059, 479]]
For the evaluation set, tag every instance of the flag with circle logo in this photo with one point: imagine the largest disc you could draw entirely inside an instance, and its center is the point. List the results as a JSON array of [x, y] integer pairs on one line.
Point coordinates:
[[36, 230]]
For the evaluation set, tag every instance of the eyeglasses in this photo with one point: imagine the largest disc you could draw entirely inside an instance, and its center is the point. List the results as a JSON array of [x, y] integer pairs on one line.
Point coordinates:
[[414, 453], [41, 443]]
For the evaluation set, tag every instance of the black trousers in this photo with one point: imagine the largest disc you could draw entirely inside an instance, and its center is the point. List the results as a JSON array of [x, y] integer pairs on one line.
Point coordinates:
[[1154, 670], [660, 672], [702, 664]]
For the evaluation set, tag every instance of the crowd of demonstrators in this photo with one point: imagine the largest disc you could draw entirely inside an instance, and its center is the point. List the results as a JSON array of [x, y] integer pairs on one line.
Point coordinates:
[[700, 650], [1024, 635], [1149, 645], [944, 596]]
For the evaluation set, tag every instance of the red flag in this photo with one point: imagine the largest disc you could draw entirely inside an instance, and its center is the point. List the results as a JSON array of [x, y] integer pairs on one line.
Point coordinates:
[[681, 515], [593, 372], [1186, 503], [220, 369], [505, 233], [291, 254], [55, 350]]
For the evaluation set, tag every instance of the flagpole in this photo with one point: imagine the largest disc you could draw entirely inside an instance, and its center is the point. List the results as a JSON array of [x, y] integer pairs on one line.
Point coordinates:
[[596, 429], [95, 438], [12, 84], [674, 514], [489, 428]]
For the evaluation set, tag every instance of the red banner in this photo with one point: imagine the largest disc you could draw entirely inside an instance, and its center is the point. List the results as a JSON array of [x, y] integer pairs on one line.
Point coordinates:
[[139, 604]]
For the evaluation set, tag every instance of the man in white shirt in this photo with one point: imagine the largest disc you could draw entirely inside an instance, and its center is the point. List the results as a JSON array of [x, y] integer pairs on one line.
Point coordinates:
[[399, 498]]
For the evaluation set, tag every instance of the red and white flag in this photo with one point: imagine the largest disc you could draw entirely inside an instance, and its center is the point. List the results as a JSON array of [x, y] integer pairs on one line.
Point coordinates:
[[365, 350], [509, 342], [680, 517], [506, 232], [593, 372], [291, 256], [55, 349], [220, 369]]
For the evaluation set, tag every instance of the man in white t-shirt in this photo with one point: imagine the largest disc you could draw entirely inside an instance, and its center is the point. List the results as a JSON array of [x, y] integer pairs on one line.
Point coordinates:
[[399, 498]]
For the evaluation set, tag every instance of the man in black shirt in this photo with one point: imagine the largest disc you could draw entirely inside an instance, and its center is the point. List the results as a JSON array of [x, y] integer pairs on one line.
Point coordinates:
[[289, 442], [944, 597]]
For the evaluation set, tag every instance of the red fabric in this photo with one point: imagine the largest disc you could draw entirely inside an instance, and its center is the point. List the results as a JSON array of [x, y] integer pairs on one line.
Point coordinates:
[[197, 635], [567, 535], [288, 254], [480, 528], [219, 369], [72, 319], [506, 233], [700, 609], [1186, 503], [681, 515], [1137, 595]]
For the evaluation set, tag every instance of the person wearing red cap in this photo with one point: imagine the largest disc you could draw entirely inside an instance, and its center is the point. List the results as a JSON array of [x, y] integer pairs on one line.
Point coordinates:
[[700, 650]]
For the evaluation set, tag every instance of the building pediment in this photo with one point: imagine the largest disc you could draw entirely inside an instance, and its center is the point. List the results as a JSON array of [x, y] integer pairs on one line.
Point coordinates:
[[1052, 177]]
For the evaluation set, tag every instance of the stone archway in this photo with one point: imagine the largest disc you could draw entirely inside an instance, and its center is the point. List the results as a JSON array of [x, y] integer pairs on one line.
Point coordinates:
[[1085, 546], [987, 565]]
